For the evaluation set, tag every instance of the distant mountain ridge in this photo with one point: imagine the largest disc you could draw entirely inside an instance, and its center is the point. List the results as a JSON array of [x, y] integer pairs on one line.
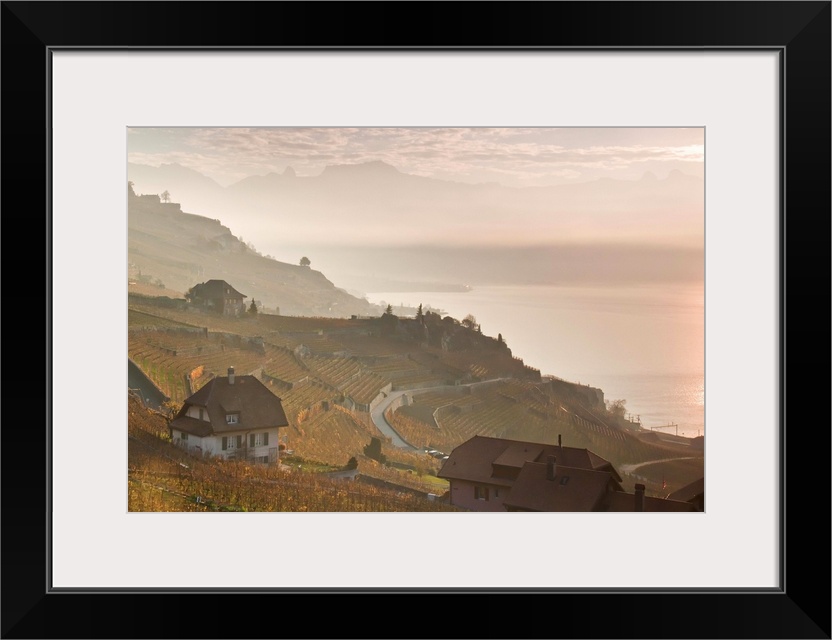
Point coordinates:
[[353, 202]]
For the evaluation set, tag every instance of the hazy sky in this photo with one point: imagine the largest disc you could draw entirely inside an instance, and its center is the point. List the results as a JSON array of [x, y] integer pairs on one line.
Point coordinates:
[[511, 156]]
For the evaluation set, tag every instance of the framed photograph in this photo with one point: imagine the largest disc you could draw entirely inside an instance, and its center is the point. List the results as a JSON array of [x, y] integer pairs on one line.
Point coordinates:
[[90, 86]]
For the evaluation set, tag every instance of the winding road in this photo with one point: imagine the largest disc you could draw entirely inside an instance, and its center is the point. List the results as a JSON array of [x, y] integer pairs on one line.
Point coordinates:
[[387, 429]]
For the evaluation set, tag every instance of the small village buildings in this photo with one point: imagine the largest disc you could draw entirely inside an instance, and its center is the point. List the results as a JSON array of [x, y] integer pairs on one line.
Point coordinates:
[[231, 417], [496, 474], [217, 296], [483, 472]]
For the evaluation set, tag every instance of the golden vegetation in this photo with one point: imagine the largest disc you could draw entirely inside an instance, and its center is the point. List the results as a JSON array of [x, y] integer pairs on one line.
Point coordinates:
[[164, 478], [326, 371]]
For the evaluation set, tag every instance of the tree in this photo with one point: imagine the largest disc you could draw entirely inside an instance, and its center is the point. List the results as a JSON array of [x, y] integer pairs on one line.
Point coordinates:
[[469, 321], [419, 314], [500, 338], [305, 262], [389, 310], [253, 308], [373, 450], [165, 196], [617, 408]]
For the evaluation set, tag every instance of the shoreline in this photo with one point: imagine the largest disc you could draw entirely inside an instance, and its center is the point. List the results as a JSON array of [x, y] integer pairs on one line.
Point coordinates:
[[579, 332]]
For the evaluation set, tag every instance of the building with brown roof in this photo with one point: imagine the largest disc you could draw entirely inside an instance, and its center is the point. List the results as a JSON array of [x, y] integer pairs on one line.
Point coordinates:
[[549, 486], [495, 474], [232, 417], [217, 296], [637, 501], [694, 493], [483, 473]]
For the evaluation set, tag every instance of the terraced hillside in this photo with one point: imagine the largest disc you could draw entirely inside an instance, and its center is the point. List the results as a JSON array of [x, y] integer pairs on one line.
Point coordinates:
[[162, 477], [521, 410], [329, 374]]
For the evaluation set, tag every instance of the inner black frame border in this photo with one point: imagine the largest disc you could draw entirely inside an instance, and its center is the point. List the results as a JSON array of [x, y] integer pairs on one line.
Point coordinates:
[[798, 31]]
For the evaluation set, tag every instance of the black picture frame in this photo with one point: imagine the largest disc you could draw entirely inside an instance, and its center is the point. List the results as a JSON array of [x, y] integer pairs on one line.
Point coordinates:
[[799, 31]]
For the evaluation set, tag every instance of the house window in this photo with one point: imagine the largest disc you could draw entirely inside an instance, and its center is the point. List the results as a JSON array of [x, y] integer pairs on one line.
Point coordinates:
[[202, 414], [184, 436], [480, 493], [230, 442], [232, 418], [258, 439], [496, 493]]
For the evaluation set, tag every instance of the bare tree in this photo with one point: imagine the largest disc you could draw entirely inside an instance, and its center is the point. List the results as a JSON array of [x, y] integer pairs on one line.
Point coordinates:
[[165, 196]]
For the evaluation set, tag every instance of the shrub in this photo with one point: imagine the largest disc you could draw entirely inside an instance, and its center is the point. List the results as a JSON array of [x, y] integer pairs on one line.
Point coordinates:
[[373, 450]]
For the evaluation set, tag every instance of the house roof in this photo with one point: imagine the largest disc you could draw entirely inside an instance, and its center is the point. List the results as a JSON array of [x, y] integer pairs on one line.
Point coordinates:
[[474, 459], [193, 426], [621, 501], [216, 289], [690, 491], [572, 489], [258, 408]]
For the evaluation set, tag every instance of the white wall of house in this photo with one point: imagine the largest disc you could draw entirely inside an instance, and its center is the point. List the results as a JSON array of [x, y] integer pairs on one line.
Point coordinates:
[[213, 444], [470, 495], [192, 443], [193, 412]]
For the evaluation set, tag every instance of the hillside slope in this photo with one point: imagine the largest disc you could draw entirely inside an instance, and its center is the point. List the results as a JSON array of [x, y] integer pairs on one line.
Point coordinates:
[[181, 249]]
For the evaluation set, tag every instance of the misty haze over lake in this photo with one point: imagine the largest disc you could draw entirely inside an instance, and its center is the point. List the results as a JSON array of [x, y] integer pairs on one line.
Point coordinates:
[[643, 344]]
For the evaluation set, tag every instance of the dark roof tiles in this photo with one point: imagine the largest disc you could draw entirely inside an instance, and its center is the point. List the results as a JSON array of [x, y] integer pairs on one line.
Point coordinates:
[[690, 491], [258, 408], [620, 501], [192, 426], [474, 459], [571, 489], [216, 289]]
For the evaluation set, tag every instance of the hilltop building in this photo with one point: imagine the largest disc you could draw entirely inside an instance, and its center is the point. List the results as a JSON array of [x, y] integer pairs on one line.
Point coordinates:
[[232, 417], [217, 296], [496, 474]]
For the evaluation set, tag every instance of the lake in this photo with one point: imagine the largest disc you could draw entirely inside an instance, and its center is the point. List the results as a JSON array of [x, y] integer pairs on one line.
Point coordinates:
[[644, 344]]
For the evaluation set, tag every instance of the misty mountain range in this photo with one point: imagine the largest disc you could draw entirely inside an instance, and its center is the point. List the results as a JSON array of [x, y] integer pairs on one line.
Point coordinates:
[[370, 227]]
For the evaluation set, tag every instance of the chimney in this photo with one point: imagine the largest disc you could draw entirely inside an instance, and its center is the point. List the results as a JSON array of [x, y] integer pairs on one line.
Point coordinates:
[[560, 440], [230, 375], [551, 467], [639, 497]]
